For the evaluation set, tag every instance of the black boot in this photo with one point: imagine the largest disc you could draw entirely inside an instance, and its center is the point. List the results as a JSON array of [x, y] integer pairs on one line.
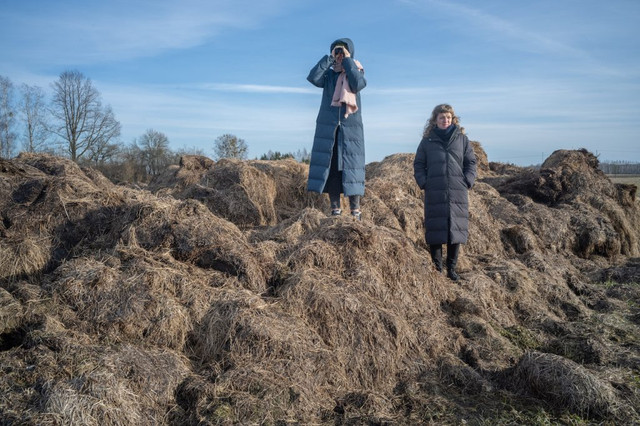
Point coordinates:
[[452, 274], [436, 256], [452, 260]]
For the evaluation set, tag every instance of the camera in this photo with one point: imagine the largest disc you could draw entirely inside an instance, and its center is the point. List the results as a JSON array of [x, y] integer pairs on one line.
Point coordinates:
[[337, 51]]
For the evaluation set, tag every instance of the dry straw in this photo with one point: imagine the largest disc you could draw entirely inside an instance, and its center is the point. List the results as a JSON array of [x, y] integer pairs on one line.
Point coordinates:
[[226, 295], [565, 385]]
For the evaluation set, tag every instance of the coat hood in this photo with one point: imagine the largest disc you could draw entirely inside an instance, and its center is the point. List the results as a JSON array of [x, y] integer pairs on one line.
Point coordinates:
[[346, 41]]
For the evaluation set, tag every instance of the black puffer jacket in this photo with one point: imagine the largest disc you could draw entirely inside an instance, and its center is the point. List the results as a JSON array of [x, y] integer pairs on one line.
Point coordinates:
[[445, 170], [350, 148]]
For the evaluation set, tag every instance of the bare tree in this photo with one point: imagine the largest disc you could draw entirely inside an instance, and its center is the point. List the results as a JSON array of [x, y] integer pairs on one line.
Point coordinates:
[[100, 154], [127, 167], [7, 118], [303, 156], [105, 146], [189, 151], [34, 116], [154, 151], [620, 167], [83, 123], [230, 146]]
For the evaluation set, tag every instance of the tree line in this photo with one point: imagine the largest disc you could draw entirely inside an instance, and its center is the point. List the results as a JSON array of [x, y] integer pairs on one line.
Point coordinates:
[[620, 168], [75, 123]]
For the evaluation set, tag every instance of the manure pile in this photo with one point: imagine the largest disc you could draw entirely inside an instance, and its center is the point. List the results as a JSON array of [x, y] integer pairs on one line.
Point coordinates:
[[224, 294]]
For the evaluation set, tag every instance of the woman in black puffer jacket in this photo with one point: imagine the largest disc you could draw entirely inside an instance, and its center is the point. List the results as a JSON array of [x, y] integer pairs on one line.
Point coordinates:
[[337, 157], [445, 168]]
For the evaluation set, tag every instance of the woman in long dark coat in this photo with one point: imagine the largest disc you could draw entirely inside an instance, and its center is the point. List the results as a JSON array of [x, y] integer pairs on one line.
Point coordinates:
[[337, 157], [445, 168]]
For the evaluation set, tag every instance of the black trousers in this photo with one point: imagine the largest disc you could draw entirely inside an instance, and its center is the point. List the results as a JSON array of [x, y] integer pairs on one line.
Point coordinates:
[[334, 181], [452, 255]]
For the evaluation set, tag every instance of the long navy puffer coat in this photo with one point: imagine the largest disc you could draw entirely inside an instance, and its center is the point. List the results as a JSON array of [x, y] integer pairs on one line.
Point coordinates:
[[351, 135], [446, 171]]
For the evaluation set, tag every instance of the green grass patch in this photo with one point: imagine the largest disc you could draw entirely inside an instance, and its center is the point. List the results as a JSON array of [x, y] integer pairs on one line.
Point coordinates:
[[521, 337]]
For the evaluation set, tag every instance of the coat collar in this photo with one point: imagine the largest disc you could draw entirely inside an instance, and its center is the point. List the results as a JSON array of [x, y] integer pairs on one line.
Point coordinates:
[[433, 136]]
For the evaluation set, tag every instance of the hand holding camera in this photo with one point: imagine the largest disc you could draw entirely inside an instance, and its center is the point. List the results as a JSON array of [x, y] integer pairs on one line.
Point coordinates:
[[339, 50]]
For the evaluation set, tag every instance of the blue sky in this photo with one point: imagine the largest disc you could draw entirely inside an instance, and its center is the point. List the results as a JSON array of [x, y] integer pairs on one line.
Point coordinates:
[[527, 78]]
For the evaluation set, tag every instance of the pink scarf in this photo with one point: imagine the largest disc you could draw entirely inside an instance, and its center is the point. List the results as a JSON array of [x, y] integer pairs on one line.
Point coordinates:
[[343, 94]]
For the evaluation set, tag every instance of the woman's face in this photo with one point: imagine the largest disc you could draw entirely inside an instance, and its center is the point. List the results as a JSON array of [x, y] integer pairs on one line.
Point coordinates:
[[339, 53], [443, 120]]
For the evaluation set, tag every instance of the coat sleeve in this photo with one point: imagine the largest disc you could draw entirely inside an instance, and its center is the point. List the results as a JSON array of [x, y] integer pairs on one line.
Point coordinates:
[[319, 71], [355, 77], [420, 166], [469, 164]]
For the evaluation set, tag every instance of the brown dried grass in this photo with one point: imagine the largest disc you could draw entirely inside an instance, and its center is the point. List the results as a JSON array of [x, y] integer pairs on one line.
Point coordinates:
[[23, 256], [286, 314], [113, 388], [247, 193], [10, 312], [564, 384]]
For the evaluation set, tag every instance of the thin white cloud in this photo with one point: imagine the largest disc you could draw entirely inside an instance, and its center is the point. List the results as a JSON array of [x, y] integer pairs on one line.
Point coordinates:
[[257, 88], [521, 37], [516, 98], [496, 25], [77, 32], [191, 118], [515, 115]]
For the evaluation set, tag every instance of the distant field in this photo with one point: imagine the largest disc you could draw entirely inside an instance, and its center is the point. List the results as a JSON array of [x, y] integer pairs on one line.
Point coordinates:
[[635, 179]]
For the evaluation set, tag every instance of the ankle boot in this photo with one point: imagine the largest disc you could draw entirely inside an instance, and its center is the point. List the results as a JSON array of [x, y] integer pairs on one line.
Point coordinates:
[[436, 256], [452, 274], [452, 260]]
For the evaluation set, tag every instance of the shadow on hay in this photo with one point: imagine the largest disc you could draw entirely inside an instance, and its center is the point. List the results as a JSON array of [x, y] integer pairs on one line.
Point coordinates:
[[293, 316]]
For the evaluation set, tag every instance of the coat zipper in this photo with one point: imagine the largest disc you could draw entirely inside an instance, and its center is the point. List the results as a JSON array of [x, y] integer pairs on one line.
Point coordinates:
[[335, 134], [446, 145]]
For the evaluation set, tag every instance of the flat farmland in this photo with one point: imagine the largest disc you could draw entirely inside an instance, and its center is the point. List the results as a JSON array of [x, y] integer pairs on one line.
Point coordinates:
[[634, 179]]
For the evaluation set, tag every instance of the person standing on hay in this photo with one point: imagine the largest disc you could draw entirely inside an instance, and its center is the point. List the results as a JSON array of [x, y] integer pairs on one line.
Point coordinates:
[[337, 156], [445, 168]]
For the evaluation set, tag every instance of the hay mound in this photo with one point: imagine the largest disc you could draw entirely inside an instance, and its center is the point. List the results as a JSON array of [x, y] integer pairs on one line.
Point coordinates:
[[254, 193], [564, 384], [563, 177], [90, 385], [589, 214], [226, 295], [393, 198], [189, 172]]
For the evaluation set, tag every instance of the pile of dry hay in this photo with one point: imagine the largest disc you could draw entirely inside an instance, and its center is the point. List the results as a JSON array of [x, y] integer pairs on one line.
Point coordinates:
[[225, 294]]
